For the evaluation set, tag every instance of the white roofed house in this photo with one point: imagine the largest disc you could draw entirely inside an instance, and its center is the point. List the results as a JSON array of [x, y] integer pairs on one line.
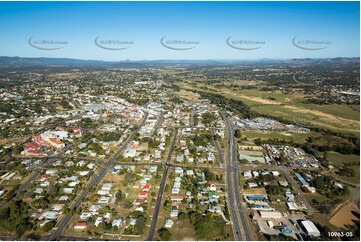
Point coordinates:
[[45, 184], [39, 190], [85, 216], [51, 172], [95, 207], [178, 170], [275, 173], [68, 190], [49, 215], [104, 200], [153, 169], [107, 186], [177, 184], [98, 221], [63, 198], [255, 173], [175, 190], [168, 223], [73, 184], [103, 192], [157, 154], [130, 153], [190, 172], [247, 174], [174, 213], [117, 222]]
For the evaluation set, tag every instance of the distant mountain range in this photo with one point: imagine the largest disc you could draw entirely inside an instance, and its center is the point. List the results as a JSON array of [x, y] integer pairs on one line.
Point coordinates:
[[6, 61]]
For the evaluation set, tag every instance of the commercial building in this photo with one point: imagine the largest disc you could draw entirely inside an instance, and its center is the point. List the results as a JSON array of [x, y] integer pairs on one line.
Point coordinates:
[[310, 228], [270, 214]]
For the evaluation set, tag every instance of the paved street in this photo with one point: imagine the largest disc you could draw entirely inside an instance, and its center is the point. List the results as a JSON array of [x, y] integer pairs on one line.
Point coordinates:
[[238, 217], [153, 224]]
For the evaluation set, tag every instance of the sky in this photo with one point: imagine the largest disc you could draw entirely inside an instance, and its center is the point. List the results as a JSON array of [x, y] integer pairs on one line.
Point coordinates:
[[254, 30]]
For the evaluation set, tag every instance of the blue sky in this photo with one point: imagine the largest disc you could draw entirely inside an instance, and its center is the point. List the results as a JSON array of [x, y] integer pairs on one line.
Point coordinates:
[[210, 23]]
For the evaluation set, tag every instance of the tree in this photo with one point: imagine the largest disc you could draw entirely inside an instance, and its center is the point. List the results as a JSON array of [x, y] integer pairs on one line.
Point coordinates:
[[258, 141], [139, 225], [102, 225], [53, 190], [182, 216], [48, 226], [33, 237], [164, 234], [237, 133]]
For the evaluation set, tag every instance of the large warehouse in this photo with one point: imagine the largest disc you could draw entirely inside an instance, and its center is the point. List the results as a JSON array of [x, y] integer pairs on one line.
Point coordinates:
[[270, 214], [310, 228]]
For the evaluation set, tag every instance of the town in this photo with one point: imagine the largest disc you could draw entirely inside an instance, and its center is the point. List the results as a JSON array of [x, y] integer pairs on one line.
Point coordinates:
[[147, 153]]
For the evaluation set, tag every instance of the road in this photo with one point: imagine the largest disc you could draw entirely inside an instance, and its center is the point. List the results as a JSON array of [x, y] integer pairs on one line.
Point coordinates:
[[161, 190], [239, 221], [96, 179], [220, 152]]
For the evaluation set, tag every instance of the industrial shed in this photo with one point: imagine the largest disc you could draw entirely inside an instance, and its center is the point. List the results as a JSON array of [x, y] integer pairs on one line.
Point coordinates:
[[270, 214], [310, 228]]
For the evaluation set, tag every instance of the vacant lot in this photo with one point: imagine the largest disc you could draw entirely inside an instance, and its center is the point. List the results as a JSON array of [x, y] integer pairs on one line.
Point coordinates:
[[346, 215], [188, 95]]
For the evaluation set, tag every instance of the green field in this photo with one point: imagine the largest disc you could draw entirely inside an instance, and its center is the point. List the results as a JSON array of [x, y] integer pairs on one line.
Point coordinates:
[[343, 111], [338, 159], [344, 118], [288, 136], [309, 118]]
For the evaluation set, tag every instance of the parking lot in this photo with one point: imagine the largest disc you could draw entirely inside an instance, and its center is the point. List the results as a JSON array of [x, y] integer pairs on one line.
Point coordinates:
[[286, 221]]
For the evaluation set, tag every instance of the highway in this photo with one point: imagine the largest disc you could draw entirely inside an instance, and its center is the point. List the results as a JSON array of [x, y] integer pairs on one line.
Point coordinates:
[[239, 221], [161, 190], [96, 179]]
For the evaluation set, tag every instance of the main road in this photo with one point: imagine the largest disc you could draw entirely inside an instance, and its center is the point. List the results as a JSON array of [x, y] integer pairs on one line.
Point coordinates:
[[153, 224], [238, 218], [96, 179]]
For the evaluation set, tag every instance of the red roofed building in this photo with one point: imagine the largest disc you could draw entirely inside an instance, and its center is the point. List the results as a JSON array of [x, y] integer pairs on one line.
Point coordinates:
[[75, 129], [45, 176], [139, 201], [143, 194], [56, 143], [176, 198], [33, 152], [135, 185], [80, 225], [76, 132], [135, 146], [38, 140], [31, 147], [146, 187]]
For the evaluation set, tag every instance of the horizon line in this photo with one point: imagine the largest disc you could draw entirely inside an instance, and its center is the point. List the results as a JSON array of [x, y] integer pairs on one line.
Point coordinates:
[[220, 59]]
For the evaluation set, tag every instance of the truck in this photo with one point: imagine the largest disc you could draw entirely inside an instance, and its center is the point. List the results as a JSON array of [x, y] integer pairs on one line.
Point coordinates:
[[270, 224], [293, 222], [279, 227]]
